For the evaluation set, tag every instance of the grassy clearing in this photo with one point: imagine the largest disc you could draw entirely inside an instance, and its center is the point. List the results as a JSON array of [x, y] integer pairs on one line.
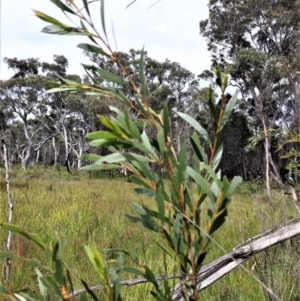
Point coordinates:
[[82, 211]]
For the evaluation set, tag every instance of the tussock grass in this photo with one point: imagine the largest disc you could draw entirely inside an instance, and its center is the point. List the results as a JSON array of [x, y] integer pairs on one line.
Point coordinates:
[[83, 211]]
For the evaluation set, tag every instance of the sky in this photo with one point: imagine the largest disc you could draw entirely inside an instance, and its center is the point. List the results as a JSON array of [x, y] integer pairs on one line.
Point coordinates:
[[169, 29]]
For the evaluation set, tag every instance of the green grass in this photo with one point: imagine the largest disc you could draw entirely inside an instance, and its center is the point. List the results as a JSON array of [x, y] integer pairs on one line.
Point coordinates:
[[82, 211]]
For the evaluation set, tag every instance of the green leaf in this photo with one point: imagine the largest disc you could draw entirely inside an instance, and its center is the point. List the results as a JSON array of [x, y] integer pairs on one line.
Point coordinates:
[[150, 275], [86, 6], [144, 169], [31, 236], [64, 30], [160, 202], [166, 120], [89, 291], [106, 75], [233, 185], [42, 288], [116, 284], [217, 158], [218, 222], [196, 125], [177, 224], [103, 166], [122, 157], [103, 18], [83, 297], [181, 168], [134, 271], [98, 264], [146, 142], [212, 105], [142, 74], [92, 48], [198, 149], [145, 191], [115, 143], [7, 254], [5, 292], [199, 180], [230, 106], [145, 220], [63, 7], [56, 258], [90, 157], [102, 135], [161, 143], [48, 19]]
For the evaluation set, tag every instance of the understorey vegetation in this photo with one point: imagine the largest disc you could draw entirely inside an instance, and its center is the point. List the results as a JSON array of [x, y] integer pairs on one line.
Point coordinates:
[[132, 175]]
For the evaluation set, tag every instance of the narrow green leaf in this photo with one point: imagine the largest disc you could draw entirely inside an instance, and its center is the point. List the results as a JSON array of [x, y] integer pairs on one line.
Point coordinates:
[[199, 180], [150, 275], [57, 260], [144, 170], [182, 162], [86, 30], [233, 185], [196, 125], [86, 7], [134, 271], [160, 203], [6, 254], [98, 264], [92, 48], [63, 7], [101, 135], [115, 143], [218, 222], [83, 297], [166, 120], [145, 191], [230, 106], [211, 104], [106, 75], [42, 288], [142, 74], [90, 157], [146, 141], [177, 224], [48, 19], [161, 143], [64, 30], [198, 149], [5, 292], [103, 166], [103, 17], [116, 284], [218, 157], [31, 236], [90, 292]]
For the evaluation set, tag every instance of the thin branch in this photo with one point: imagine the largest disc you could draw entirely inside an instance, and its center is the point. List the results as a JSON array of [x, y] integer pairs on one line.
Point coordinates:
[[153, 4], [218, 268]]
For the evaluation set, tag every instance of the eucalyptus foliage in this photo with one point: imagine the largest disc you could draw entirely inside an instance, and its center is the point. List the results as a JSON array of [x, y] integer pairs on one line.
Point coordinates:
[[190, 202]]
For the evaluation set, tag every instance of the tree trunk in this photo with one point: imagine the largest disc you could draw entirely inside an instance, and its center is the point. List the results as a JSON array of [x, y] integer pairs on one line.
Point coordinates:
[[55, 150], [267, 155], [7, 263], [27, 152]]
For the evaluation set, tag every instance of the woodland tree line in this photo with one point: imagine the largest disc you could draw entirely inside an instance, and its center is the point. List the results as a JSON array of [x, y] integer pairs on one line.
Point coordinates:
[[258, 40]]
